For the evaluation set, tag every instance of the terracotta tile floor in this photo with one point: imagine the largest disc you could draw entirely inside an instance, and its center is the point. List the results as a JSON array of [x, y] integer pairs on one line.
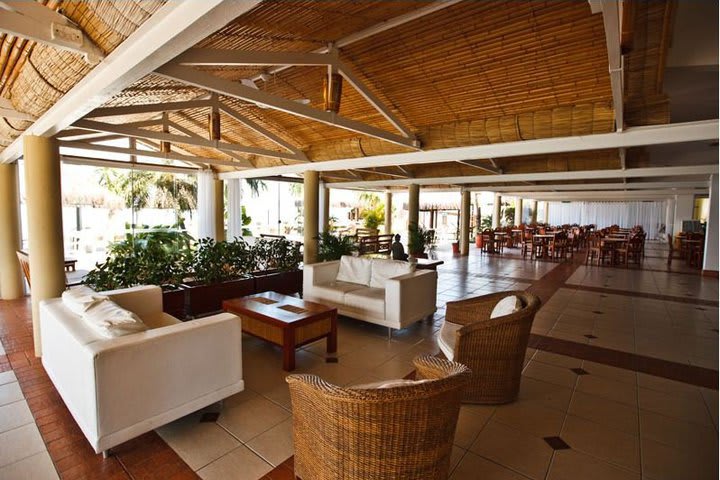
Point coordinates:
[[615, 385]]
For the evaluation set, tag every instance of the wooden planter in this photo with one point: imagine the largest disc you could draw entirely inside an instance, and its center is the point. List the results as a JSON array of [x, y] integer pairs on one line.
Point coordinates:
[[288, 283], [174, 303], [201, 299]]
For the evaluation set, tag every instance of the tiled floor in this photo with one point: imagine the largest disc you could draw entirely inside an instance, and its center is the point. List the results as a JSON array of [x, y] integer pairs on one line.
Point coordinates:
[[576, 418]]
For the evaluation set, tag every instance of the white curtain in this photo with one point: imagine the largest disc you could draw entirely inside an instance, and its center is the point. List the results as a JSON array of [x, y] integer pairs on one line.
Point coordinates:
[[234, 208], [651, 215], [206, 204]]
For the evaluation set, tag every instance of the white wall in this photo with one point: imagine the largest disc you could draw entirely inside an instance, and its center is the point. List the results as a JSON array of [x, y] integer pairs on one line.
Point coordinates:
[[710, 261], [670, 216], [684, 206]]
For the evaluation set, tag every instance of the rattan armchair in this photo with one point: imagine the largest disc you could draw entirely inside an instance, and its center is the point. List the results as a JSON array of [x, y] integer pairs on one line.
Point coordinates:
[[494, 349], [403, 432]]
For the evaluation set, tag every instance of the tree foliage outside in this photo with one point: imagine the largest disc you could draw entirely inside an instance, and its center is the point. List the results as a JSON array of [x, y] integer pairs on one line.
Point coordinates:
[[145, 189], [372, 210]]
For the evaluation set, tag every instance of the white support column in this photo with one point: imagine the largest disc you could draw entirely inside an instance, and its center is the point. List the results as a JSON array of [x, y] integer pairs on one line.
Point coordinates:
[[684, 206], [518, 210], [11, 283], [310, 205], [669, 216], [547, 212], [465, 223], [206, 205], [45, 231], [710, 258], [496, 211], [388, 212], [234, 208]]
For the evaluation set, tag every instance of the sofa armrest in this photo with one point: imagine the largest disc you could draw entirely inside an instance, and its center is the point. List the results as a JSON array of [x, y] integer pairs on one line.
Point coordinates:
[[319, 273], [143, 300], [161, 369], [410, 297]]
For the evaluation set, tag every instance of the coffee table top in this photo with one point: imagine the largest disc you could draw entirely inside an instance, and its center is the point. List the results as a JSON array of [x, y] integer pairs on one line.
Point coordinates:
[[276, 307]]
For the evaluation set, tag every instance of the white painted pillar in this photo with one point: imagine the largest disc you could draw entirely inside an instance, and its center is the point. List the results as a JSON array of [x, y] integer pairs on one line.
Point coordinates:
[[496, 211], [388, 213], [311, 190], [669, 216], [234, 208], [206, 205], [11, 283], [325, 209], [45, 231], [710, 259], [547, 212], [684, 206], [465, 223], [518, 211]]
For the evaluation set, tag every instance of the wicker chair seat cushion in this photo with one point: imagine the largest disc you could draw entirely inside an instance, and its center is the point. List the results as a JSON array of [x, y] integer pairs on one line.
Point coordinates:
[[507, 306], [389, 384], [354, 270], [335, 291], [446, 339]]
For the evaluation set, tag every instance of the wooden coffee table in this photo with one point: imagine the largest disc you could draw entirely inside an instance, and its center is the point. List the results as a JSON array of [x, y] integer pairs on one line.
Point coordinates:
[[285, 321]]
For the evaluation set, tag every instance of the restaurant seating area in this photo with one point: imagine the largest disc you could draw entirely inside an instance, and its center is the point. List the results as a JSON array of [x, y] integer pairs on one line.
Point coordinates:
[[359, 239]]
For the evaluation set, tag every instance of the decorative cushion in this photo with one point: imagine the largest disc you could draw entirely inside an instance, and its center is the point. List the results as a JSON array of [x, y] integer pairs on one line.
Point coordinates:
[[110, 320], [79, 299], [389, 384], [354, 270], [446, 339], [384, 269], [506, 306]]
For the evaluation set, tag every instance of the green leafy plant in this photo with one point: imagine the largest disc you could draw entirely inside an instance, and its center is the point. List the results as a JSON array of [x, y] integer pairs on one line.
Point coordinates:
[[332, 247], [372, 210], [276, 254], [215, 262], [418, 239], [485, 222]]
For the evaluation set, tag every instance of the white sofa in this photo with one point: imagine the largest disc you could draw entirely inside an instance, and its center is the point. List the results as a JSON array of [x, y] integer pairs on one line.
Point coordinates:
[[119, 388], [384, 292]]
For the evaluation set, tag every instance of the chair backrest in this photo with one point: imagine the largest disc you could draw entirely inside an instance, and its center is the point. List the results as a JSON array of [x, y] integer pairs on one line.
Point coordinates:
[[24, 260]]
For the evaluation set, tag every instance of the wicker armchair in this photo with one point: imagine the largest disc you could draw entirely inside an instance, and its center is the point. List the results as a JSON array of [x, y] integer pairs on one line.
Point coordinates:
[[389, 433], [494, 349]]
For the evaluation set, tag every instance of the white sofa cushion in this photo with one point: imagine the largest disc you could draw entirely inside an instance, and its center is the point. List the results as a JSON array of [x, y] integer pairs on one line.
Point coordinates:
[[110, 320], [506, 306], [369, 300], [334, 291], [354, 270], [384, 269], [446, 338], [79, 299]]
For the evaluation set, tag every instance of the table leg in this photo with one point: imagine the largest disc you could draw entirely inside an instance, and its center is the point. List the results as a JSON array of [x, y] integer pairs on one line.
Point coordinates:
[[288, 349], [332, 337]]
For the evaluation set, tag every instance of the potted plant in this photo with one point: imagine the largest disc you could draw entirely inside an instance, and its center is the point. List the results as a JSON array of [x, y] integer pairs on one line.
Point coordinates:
[[332, 247], [418, 240], [277, 266], [160, 256], [221, 271]]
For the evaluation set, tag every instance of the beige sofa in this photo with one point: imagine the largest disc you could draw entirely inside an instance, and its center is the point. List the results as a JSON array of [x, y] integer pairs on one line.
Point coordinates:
[[119, 388], [385, 292]]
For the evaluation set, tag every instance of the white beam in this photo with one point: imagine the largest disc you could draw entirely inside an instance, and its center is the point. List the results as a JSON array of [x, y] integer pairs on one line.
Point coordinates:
[[34, 21], [152, 154], [373, 100], [493, 169], [215, 84], [630, 137], [377, 28], [262, 131], [102, 162], [524, 177], [147, 108], [170, 137], [564, 187], [617, 195], [613, 31], [211, 57], [171, 30]]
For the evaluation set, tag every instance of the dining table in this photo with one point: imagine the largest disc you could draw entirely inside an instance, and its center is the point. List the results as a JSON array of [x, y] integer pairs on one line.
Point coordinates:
[[545, 238], [498, 238]]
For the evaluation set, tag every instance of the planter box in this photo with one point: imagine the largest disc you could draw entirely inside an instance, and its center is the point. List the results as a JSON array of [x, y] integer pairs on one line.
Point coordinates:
[[201, 299], [174, 303], [286, 283]]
